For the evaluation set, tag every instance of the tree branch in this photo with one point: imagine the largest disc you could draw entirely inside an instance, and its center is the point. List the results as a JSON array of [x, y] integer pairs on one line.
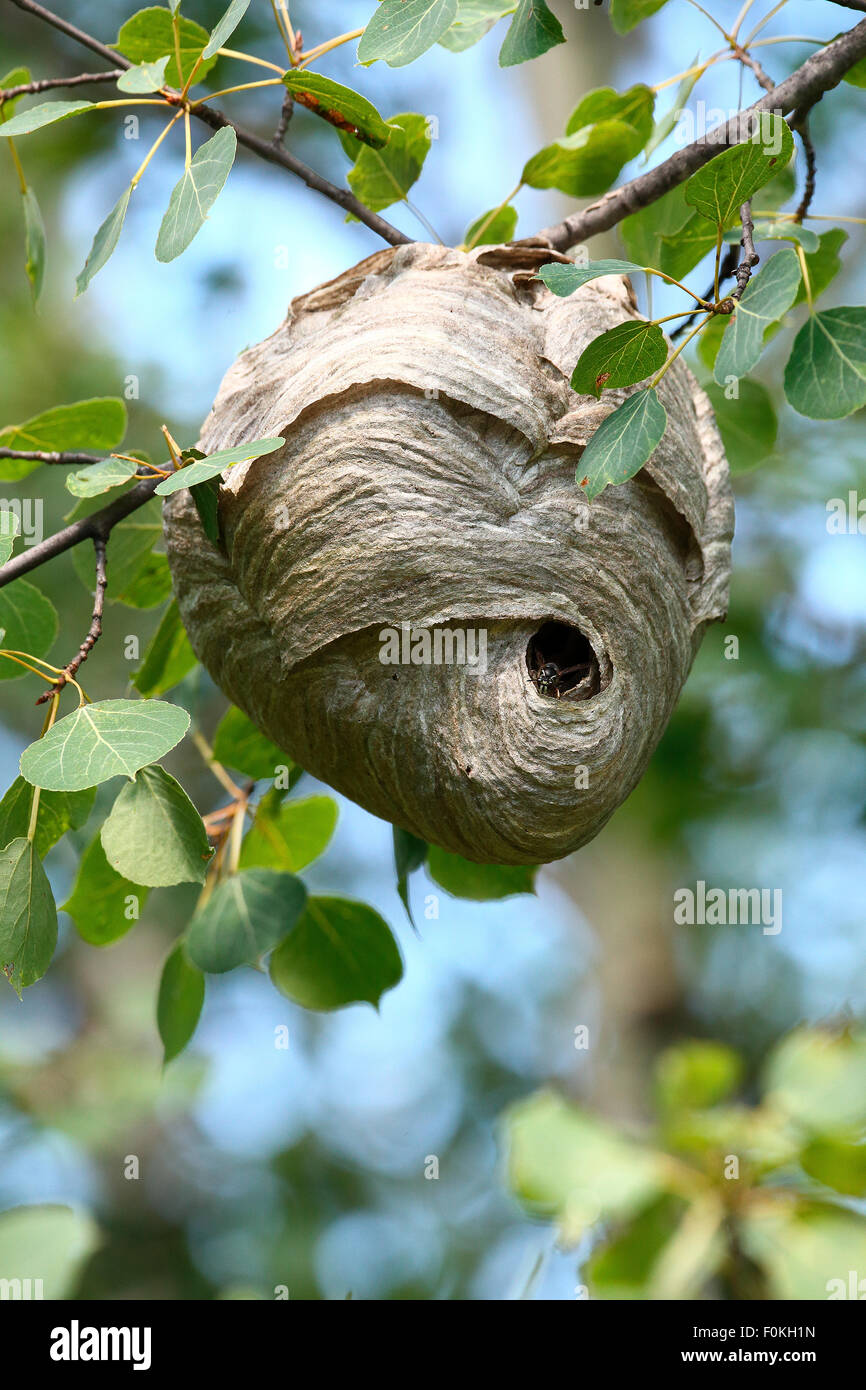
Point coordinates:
[[822, 71], [750, 256], [39, 456], [274, 154], [94, 631], [97, 526], [47, 84]]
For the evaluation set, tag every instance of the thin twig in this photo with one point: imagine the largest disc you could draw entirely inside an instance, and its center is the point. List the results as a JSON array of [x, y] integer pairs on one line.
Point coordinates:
[[47, 84], [39, 456], [750, 257], [288, 110], [94, 631], [820, 72], [800, 123], [726, 270], [752, 63], [214, 118], [97, 526]]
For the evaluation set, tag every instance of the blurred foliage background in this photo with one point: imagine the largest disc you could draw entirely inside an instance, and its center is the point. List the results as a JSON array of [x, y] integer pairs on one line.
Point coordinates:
[[311, 1167]]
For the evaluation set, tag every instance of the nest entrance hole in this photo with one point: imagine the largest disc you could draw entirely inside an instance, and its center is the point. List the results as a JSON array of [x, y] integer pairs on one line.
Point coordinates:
[[562, 663]]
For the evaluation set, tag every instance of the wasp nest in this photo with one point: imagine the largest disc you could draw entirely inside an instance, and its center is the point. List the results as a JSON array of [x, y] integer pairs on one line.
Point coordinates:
[[412, 597]]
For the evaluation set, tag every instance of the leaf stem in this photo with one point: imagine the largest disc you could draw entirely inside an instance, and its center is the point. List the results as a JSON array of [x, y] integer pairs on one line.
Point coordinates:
[[673, 357], [321, 48], [216, 768], [136, 178], [50, 717], [241, 87], [720, 234], [250, 58], [807, 283]]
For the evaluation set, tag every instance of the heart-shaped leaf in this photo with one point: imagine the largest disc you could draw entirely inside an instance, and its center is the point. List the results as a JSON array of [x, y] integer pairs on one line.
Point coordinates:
[[766, 298], [154, 834], [719, 189], [340, 952], [623, 442], [401, 30], [101, 741], [100, 477], [624, 355], [826, 373], [104, 905], [533, 30]]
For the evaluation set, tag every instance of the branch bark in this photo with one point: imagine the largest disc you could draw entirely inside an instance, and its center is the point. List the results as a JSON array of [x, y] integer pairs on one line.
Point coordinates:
[[822, 71], [94, 632], [97, 526], [41, 456], [47, 84], [216, 120]]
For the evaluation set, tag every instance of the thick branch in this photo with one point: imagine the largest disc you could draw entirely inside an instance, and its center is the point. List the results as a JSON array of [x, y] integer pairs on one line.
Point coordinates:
[[97, 526], [94, 631], [820, 72], [40, 456], [215, 119], [47, 84]]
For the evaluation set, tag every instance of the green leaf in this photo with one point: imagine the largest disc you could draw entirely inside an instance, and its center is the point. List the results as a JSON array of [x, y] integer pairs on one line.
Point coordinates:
[[129, 545], [475, 18], [225, 27], [626, 14], [28, 917], [478, 882], [634, 107], [824, 264], [16, 77], [104, 242], [101, 741], [409, 855], [840, 1166], [51, 1243], [206, 497], [693, 1075], [200, 470], [805, 1251], [195, 194], [151, 585], [241, 746], [623, 442], [290, 836], [567, 1164], [644, 230], [340, 952], [339, 106], [826, 373], [766, 298], [144, 77], [747, 424], [168, 658], [626, 354], [34, 243], [533, 30], [35, 117], [29, 622], [401, 30], [583, 164], [720, 188], [245, 917], [565, 279], [382, 177], [93, 424], [97, 478], [179, 1005], [155, 833], [9, 528], [818, 1079], [149, 34], [57, 813], [103, 905], [491, 228]]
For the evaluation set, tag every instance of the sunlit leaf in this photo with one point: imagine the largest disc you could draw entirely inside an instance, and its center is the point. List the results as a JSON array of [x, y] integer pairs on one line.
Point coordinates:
[[103, 740], [154, 833], [289, 836], [195, 194], [97, 478], [634, 107], [492, 228], [475, 18], [401, 30], [244, 748], [478, 882], [719, 189], [225, 27], [824, 264], [94, 424], [626, 14], [35, 117], [145, 77], [53, 1241], [9, 528], [215, 464], [583, 164], [149, 35], [624, 355], [382, 177]]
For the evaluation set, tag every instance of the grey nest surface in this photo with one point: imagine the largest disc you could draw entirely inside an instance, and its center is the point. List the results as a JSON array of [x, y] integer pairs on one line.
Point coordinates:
[[427, 483]]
